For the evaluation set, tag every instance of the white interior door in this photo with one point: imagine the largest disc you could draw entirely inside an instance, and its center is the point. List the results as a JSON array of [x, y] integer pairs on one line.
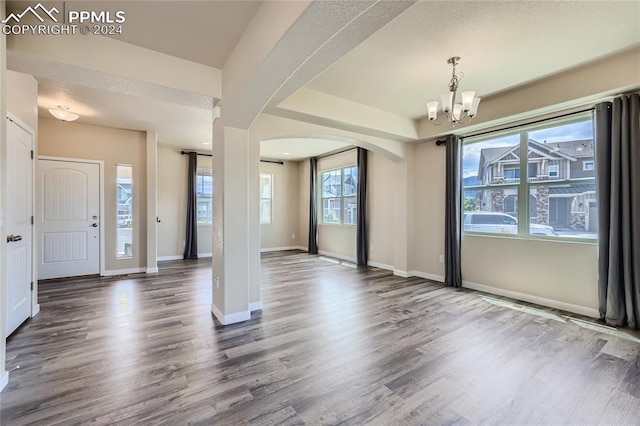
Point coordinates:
[[19, 224], [68, 218]]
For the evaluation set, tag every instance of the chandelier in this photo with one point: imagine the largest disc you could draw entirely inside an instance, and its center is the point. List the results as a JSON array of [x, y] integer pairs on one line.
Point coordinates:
[[455, 112]]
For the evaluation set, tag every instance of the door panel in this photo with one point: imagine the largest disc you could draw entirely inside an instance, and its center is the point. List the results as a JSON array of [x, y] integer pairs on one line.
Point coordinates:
[[18, 224], [68, 205]]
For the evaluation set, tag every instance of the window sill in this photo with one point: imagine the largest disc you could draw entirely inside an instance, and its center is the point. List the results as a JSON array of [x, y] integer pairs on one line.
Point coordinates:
[[592, 241]]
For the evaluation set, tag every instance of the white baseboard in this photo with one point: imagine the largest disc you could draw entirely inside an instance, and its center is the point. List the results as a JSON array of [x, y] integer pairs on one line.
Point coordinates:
[[337, 256], [152, 270], [4, 380], [269, 249], [173, 257], [399, 273], [112, 272], [380, 265], [255, 306], [570, 307], [426, 276], [35, 309], [205, 255], [231, 318]]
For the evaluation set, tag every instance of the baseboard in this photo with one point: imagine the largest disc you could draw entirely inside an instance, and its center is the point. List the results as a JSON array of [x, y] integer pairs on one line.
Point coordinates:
[[569, 307], [4, 380], [231, 318], [380, 265], [112, 272], [152, 270], [337, 256], [173, 257], [270, 249], [255, 306], [426, 276], [35, 310], [399, 273], [205, 255]]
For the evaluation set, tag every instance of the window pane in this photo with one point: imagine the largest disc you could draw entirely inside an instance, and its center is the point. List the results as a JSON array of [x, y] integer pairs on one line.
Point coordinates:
[[491, 210], [265, 185], [331, 208], [350, 211], [204, 195], [350, 182], [560, 152], [493, 161], [265, 211], [124, 246], [331, 185], [565, 210]]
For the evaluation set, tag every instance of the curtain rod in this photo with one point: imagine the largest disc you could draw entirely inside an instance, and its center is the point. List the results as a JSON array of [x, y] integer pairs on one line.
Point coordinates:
[[272, 161], [197, 153], [516, 126], [336, 153]]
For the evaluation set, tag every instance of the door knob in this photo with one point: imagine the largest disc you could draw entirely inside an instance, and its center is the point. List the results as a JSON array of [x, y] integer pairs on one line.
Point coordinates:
[[13, 238], [95, 225]]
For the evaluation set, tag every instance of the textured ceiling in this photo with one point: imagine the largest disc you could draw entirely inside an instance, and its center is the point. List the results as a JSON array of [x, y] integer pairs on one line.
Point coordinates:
[[298, 148], [503, 44]]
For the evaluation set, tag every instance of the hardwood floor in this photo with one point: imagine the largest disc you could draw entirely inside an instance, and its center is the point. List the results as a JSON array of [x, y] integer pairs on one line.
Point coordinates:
[[332, 345]]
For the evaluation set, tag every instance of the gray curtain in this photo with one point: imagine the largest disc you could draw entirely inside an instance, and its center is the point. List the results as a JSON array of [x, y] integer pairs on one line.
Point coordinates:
[[313, 207], [453, 220], [362, 239], [617, 138], [191, 236]]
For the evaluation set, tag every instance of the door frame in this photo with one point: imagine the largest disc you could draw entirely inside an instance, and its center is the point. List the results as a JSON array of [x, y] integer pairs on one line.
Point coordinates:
[[35, 307], [100, 164]]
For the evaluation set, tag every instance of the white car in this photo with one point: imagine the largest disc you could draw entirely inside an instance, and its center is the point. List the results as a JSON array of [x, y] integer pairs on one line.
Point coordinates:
[[500, 223]]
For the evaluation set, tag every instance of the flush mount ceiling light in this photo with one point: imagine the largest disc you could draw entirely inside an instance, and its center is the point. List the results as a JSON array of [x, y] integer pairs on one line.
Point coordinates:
[[455, 112], [62, 113]]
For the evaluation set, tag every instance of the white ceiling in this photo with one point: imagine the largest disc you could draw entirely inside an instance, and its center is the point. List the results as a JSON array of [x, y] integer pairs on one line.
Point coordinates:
[[294, 149], [503, 44]]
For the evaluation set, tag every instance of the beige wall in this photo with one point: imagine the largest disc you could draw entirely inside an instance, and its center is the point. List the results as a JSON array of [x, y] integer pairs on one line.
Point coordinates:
[[113, 146], [278, 234], [338, 240], [4, 376], [22, 98], [303, 204], [381, 190], [559, 273], [172, 199]]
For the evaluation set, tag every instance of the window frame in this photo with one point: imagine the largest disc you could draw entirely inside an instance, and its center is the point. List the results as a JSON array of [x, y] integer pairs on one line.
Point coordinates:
[[120, 212], [524, 186], [591, 168], [341, 198], [270, 198], [204, 197]]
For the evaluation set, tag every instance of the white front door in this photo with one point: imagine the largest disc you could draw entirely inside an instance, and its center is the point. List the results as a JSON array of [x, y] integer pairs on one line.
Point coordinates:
[[19, 224], [68, 218]]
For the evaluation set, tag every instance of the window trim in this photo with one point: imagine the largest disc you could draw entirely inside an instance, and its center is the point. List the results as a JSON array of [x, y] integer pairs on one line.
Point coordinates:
[[584, 165], [524, 186], [198, 197], [132, 215], [342, 197], [272, 186]]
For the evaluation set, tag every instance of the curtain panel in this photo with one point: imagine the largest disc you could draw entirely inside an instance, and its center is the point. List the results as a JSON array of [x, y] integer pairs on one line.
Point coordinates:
[[617, 138], [191, 236]]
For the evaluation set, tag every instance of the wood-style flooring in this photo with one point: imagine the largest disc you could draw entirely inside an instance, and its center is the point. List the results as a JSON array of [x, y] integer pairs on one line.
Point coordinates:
[[332, 345]]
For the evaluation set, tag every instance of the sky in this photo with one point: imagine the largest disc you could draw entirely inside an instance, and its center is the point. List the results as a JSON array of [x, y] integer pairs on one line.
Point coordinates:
[[567, 132]]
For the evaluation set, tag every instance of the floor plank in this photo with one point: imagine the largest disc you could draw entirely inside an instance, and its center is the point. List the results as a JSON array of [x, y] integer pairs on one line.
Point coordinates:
[[332, 345]]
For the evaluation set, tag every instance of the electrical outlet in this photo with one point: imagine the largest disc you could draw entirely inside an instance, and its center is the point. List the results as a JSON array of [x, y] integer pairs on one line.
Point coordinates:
[[371, 248], [442, 258], [293, 236], [216, 280]]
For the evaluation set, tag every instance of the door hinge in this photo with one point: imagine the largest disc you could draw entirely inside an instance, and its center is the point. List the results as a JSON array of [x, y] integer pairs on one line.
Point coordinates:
[[31, 285], [32, 154]]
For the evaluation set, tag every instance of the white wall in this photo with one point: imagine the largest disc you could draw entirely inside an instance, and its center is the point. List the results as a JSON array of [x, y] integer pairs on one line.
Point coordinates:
[[278, 234]]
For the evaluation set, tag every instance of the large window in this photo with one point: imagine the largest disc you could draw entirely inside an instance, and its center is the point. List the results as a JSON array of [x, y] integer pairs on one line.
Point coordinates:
[[266, 198], [538, 180], [339, 191], [124, 197], [204, 194]]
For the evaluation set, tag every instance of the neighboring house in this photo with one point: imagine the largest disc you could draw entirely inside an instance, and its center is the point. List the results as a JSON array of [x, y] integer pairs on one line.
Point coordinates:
[[566, 206]]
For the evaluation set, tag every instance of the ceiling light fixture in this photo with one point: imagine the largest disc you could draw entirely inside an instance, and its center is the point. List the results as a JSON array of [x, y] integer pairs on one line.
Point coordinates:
[[62, 113], [286, 153], [455, 112]]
